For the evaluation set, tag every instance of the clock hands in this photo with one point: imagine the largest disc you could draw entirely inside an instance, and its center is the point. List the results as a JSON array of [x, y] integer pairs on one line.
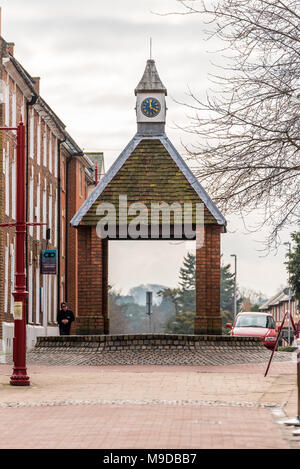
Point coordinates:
[[150, 107]]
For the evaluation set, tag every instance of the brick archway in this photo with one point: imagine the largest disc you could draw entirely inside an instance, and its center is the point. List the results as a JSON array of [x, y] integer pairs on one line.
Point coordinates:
[[92, 314], [149, 171]]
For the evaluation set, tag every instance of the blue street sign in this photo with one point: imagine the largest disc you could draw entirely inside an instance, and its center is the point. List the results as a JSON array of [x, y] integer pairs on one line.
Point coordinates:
[[48, 261]]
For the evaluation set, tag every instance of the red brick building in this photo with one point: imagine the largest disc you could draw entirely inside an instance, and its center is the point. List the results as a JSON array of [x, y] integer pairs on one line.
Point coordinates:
[[58, 179], [279, 304]]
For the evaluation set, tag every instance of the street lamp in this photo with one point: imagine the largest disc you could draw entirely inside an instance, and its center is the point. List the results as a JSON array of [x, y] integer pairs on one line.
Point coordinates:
[[19, 376], [289, 307], [234, 295]]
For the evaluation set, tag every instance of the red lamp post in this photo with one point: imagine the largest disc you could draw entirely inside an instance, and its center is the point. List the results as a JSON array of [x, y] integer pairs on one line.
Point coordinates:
[[19, 376]]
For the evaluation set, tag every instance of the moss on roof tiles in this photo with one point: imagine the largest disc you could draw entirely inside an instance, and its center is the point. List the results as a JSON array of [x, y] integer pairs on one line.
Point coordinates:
[[149, 175]]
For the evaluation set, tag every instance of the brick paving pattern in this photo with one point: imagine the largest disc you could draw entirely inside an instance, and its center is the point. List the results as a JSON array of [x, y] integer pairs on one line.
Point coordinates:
[[221, 400], [138, 427]]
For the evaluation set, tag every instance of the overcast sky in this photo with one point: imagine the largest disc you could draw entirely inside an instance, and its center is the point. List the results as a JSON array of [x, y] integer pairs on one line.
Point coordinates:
[[90, 56]]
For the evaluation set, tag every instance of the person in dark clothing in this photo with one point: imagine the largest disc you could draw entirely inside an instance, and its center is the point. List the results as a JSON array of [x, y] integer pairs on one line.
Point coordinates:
[[65, 318]]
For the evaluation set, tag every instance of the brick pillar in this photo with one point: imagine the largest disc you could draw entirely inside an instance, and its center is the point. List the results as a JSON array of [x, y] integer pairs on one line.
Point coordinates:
[[208, 278], [105, 284], [90, 318]]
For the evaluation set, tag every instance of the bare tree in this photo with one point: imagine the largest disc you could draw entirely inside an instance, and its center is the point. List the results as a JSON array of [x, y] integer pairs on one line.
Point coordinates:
[[249, 132]]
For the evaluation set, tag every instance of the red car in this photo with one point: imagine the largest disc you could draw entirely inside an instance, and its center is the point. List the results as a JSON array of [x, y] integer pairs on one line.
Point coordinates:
[[255, 325]]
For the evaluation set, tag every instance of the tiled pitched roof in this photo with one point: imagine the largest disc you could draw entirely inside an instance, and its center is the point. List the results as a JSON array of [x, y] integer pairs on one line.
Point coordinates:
[[148, 170], [275, 300]]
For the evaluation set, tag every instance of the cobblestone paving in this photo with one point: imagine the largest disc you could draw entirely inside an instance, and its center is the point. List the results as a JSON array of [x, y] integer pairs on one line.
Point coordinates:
[[209, 356]]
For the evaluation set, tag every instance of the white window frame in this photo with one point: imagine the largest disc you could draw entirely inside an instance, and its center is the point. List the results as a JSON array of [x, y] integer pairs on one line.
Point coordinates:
[[30, 290], [50, 154], [38, 209], [49, 299], [31, 202], [50, 201], [38, 143], [37, 295], [6, 279], [7, 185], [12, 276], [54, 303], [45, 211], [13, 186], [55, 158], [22, 110], [14, 109], [45, 148], [7, 104], [31, 137], [55, 220]]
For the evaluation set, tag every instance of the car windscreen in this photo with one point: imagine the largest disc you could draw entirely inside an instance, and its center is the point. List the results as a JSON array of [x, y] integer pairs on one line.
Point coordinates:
[[254, 320]]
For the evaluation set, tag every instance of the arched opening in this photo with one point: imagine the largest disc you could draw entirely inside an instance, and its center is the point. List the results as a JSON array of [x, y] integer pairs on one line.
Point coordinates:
[[166, 269]]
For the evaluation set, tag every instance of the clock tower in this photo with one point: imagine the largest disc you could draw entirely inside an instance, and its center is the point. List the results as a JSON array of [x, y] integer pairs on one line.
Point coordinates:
[[149, 173], [150, 102]]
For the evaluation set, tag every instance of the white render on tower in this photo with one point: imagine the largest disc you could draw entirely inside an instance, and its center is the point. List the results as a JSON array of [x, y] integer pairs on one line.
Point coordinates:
[[151, 86]]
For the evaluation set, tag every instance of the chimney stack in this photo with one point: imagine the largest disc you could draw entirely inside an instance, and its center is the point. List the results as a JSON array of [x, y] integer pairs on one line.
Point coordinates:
[[37, 84], [11, 47]]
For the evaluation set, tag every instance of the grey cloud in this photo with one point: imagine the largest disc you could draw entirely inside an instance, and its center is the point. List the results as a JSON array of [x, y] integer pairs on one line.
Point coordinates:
[[88, 34]]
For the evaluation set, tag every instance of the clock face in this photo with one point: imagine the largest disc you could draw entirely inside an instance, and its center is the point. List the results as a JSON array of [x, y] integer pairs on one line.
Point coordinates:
[[150, 107]]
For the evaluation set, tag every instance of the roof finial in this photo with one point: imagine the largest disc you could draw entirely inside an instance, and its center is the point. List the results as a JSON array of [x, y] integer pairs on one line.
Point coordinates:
[[150, 48]]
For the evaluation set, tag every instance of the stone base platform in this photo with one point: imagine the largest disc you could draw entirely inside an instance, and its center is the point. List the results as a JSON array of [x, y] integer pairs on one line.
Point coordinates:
[[148, 342], [151, 349]]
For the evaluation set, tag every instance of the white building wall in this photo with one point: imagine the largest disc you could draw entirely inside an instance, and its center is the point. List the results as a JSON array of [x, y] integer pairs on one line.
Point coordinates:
[[30, 290], [12, 276], [6, 279], [7, 185]]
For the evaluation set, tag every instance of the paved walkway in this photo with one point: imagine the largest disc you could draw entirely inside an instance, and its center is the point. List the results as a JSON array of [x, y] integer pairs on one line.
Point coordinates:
[[142, 407]]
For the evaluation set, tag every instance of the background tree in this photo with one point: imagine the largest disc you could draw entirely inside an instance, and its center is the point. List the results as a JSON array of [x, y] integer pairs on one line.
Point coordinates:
[[127, 313], [183, 298], [187, 283], [182, 324], [249, 127], [227, 296], [251, 300], [119, 322], [293, 265], [227, 288], [171, 295]]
